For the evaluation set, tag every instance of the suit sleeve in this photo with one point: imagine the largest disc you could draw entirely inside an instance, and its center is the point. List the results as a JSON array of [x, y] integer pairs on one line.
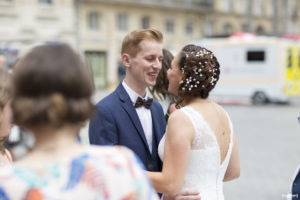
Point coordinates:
[[102, 127]]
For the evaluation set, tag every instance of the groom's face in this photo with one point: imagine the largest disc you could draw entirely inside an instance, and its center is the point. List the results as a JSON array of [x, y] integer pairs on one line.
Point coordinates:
[[146, 65]]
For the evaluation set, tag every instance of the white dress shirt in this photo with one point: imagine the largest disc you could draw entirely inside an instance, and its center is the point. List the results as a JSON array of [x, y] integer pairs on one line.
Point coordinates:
[[143, 113]]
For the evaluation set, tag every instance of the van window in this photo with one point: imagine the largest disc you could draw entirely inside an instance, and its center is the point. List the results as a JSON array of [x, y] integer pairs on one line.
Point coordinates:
[[289, 61], [255, 56]]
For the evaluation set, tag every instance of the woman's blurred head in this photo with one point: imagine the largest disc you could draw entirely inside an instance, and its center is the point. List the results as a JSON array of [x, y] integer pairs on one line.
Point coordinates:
[[162, 82], [52, 87]]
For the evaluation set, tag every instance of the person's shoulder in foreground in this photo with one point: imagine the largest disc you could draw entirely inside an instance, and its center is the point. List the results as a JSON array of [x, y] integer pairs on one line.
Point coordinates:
[[100, 172]]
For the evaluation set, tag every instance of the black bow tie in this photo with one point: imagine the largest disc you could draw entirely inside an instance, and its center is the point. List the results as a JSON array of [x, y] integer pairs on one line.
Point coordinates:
[[141, 102]]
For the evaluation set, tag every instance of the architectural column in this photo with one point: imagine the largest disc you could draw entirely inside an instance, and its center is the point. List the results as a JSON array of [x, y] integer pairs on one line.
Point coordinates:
[[275, 17], [250, 16]]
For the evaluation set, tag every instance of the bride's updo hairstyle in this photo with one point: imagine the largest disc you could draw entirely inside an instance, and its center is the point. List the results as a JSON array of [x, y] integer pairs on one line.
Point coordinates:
[[52, 87], [201, 71]]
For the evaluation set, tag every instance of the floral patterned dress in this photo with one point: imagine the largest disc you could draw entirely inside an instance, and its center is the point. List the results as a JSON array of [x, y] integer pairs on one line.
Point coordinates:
[[98, 173]]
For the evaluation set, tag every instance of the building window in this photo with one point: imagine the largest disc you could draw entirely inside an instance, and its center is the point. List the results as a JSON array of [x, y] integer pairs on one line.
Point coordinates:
[[208, 28], [244, 6], [45, 1], [227, 5], [227, 29], [145, 22], [93, 20], [260, 30], [245, 27], [122, 22], [189, 27], [169, 25], [258, 7], [292, 27], [292, 9], [97, 61]]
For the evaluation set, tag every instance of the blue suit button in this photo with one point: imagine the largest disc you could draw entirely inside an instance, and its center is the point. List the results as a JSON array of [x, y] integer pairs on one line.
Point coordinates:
[[149, 167]]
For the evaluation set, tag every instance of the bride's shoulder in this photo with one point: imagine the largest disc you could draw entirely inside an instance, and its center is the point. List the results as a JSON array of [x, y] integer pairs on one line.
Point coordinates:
[[177, 114], [179, 118], [180, 126]]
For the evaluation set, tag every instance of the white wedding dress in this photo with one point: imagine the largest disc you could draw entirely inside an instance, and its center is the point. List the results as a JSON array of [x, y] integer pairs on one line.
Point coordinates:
[[205, 172]]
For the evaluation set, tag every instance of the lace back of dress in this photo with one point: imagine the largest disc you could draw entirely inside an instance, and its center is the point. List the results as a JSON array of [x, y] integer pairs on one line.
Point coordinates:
[[205, 172], [203, 136]]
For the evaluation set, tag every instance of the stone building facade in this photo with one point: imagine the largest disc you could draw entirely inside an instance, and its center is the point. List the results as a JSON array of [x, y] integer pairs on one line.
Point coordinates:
[[96, 27]]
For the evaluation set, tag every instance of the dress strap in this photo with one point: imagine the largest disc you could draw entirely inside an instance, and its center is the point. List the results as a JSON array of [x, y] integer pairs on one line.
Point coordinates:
[[226, 160], [189, 112], [230, 126]]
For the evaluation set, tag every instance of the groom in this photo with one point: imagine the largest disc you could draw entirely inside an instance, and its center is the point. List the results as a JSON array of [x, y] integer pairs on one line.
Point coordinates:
[[128, 117], [122, 118]]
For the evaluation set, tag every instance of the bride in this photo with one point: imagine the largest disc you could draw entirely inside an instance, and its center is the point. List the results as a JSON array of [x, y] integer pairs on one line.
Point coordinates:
[[199, 149]]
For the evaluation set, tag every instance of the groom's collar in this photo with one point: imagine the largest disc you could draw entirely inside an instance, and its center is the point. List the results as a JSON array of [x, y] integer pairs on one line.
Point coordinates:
[[131, 93]]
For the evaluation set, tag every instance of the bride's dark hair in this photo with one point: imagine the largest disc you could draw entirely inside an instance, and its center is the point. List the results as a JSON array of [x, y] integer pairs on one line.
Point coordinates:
[[201, 71]]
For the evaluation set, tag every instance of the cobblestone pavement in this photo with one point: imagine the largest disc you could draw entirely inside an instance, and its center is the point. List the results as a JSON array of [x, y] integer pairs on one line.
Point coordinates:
[[269, 146]]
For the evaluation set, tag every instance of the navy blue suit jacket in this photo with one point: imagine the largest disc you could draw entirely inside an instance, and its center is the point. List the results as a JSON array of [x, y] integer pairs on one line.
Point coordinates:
[[296, 187], [116, 122]]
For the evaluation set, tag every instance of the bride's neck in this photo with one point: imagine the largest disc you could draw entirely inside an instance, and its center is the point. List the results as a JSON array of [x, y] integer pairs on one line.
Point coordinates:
[[197, 100]]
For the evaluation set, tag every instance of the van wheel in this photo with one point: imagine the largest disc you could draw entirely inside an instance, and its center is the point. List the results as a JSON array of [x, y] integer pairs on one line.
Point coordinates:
[[259, 98]]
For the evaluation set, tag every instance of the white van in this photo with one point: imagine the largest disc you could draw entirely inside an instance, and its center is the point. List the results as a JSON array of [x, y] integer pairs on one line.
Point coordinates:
[[258, 68]]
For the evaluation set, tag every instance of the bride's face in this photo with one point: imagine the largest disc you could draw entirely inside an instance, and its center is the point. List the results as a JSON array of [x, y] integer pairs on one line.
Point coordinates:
[[174, 75]]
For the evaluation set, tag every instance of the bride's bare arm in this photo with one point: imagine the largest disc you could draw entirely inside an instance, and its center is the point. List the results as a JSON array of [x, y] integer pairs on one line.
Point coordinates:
[[179, 136], [233, 169], [184, 195]]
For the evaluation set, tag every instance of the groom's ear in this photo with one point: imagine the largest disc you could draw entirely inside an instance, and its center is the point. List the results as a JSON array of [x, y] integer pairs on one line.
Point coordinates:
[[126, 59]]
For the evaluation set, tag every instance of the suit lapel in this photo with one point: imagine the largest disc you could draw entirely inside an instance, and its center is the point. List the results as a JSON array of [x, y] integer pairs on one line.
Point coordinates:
[[156, 131], [298, 176], [128, 107]]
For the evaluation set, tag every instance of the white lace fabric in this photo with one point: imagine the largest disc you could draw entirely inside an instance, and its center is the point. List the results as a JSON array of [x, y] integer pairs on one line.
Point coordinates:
[[205, 172]]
